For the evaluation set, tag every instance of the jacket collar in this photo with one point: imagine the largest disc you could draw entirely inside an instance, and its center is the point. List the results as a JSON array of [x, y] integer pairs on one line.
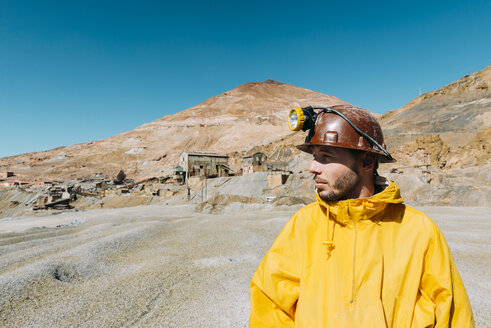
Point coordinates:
[[362, 208]]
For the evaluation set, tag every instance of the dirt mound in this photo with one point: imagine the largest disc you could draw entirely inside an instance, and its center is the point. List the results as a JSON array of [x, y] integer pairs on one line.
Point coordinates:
[[290, 200], [218, 203]]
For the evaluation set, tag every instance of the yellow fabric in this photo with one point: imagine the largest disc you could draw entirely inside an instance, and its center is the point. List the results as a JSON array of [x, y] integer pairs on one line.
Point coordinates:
[[368, 262]]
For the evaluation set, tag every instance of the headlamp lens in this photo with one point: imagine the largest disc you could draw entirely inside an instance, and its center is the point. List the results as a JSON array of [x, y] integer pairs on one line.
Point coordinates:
[[293, 119], [296, 119]]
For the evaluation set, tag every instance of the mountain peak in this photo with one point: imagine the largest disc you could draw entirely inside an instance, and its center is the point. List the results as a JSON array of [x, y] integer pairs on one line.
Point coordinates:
[[256, 98], [271, 81]]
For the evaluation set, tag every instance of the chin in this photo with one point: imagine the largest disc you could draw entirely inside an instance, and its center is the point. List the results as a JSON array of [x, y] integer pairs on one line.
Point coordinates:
[[329, 196]]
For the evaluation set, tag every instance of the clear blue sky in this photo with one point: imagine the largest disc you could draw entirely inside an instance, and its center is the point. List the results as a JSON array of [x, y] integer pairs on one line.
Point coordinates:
[[76, 71]]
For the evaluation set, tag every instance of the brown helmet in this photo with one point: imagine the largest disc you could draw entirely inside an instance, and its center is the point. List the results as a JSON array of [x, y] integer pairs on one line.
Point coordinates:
[[347, 126]]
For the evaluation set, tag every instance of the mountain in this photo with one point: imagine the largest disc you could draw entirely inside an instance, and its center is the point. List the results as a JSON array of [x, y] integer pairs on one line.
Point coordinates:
[[233, 122], [440, 139], [453, 122], [455, 111]]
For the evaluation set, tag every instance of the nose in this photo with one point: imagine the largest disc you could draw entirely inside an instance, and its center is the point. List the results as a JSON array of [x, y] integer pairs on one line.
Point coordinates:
[[314, 167]]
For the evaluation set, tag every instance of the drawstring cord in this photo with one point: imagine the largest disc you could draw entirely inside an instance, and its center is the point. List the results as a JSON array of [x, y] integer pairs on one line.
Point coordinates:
[[329, 243], [331, 224]]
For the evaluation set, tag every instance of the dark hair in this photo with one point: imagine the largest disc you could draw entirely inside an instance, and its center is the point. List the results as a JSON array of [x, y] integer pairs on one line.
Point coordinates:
[[357, 152], [375, 167]]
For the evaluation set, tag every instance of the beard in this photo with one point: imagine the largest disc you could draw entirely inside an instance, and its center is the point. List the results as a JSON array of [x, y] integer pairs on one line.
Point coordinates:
[[341, 188]]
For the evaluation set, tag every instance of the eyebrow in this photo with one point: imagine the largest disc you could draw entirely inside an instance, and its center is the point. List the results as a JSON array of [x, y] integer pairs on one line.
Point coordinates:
[[324, 151]]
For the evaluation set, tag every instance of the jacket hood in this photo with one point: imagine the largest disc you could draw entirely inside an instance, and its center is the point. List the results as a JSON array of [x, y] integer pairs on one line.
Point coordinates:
[[363, 208]]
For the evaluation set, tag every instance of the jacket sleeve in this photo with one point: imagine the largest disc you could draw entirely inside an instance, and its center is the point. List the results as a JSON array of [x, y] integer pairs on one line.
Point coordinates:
[[442, 283], [275, 285]]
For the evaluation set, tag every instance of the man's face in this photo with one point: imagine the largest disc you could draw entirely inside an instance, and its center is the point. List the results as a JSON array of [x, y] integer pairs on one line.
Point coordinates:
[[335, 173]]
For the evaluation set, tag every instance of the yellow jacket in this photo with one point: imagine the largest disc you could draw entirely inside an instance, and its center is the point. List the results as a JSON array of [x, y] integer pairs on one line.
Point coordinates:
[[367, 262]]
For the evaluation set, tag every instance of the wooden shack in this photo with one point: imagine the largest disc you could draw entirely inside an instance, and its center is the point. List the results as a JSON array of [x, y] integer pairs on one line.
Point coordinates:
[[204, 164]]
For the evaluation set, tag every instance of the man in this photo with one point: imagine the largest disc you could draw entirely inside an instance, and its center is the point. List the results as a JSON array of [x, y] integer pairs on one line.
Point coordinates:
[[358, 256]]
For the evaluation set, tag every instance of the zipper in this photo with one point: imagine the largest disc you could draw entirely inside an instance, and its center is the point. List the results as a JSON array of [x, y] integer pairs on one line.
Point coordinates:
[[353, 281]]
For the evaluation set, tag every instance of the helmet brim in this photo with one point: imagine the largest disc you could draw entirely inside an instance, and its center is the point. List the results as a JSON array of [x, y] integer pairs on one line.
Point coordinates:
[[307, 148]]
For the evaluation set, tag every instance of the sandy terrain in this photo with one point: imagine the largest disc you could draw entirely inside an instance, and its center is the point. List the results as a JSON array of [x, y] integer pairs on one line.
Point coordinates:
[[167, 266]]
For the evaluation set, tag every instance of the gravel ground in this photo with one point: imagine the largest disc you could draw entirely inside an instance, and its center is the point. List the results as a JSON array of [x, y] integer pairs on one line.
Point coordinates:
[[167, 266]]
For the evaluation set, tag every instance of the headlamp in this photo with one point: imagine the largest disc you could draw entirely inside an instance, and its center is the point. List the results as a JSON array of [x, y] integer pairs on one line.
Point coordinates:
[[296, 119], [301, 118]]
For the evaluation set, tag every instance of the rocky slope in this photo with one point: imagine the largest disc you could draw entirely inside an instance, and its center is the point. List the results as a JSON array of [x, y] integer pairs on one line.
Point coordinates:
[[441, 140], [233, 123], [458, 114]]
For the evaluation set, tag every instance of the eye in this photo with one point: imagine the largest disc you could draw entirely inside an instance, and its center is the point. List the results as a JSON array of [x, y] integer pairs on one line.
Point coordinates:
[[325, 155], [322, 157]]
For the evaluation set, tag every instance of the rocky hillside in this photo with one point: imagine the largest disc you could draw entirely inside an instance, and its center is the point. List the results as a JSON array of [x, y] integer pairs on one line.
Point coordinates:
[[232, 123], [452, 124], [441, 140]]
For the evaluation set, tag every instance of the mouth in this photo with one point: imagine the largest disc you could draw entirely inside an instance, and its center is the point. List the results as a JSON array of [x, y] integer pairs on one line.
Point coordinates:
[[319, 183]]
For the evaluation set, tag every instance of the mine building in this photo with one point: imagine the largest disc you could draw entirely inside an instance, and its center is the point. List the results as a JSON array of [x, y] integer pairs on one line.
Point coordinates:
[[254, 163], [204, 164], [278, 173], [277, 178]]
